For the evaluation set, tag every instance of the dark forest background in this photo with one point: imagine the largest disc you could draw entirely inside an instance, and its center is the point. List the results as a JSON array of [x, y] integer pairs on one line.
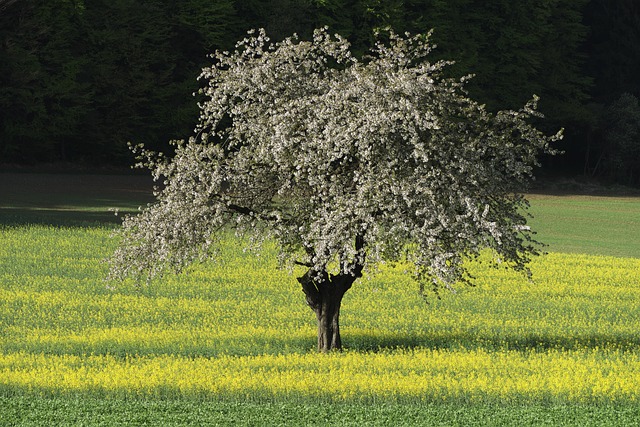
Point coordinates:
[[81, 78]]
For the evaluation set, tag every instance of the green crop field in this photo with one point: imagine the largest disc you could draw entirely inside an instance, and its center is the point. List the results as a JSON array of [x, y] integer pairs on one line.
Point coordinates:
[[232, 342]]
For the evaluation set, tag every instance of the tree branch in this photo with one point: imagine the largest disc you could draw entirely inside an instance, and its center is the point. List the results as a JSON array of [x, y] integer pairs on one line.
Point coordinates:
[[349, 274], [243, 210], [358, 263], [304, 264], [310, 290]]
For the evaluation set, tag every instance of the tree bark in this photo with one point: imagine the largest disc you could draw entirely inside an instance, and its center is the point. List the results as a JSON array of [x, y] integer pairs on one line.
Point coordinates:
[[324, 295]]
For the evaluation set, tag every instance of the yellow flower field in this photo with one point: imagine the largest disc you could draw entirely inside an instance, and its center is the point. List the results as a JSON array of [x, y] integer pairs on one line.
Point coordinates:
[[402, 375], [239, 329]]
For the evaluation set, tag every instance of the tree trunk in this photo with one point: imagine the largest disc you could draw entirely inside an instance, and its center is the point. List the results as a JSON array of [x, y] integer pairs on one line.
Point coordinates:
[[328, 315], [324, 294]]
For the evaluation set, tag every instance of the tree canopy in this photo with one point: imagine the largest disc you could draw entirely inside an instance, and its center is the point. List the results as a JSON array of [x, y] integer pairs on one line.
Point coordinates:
[[344, 162]]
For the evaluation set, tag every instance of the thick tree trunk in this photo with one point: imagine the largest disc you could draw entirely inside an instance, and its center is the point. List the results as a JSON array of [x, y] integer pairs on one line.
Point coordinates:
[[324, 295], [327, 315]]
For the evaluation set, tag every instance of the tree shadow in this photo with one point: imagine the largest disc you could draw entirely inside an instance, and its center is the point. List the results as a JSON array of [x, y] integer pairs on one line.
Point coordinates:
[[259, 346], [522, 343]]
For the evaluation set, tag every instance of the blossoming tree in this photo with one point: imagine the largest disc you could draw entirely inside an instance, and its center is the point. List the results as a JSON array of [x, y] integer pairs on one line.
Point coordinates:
[[344, 162]]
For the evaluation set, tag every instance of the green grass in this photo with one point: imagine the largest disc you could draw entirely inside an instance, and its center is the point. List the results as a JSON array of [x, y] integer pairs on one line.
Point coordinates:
[[588, 224], [57, 233]]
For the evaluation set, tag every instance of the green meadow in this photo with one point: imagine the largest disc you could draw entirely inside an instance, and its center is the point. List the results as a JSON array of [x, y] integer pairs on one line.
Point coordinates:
[[597, 225], [232, 342]]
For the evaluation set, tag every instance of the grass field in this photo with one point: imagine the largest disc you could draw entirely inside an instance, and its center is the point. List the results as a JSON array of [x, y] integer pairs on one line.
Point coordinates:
[[232, 343], [588, 224]]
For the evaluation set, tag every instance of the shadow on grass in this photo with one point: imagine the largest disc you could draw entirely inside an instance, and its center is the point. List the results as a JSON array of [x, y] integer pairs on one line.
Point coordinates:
[[58, 218], [72, 200], [523, 343], [353, 344]]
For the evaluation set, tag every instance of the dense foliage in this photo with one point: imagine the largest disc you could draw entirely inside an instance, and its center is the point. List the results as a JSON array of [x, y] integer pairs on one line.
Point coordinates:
[[79, 79]]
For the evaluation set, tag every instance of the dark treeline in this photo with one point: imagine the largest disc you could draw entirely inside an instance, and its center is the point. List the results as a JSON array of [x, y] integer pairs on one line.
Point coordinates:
[[81, 78]]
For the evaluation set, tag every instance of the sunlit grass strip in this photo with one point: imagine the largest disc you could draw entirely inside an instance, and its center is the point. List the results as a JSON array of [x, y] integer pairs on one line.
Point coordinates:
[[401, 376]]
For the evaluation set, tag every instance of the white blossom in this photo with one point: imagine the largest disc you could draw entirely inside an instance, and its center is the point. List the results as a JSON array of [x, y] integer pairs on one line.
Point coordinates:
[[301, 142]]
